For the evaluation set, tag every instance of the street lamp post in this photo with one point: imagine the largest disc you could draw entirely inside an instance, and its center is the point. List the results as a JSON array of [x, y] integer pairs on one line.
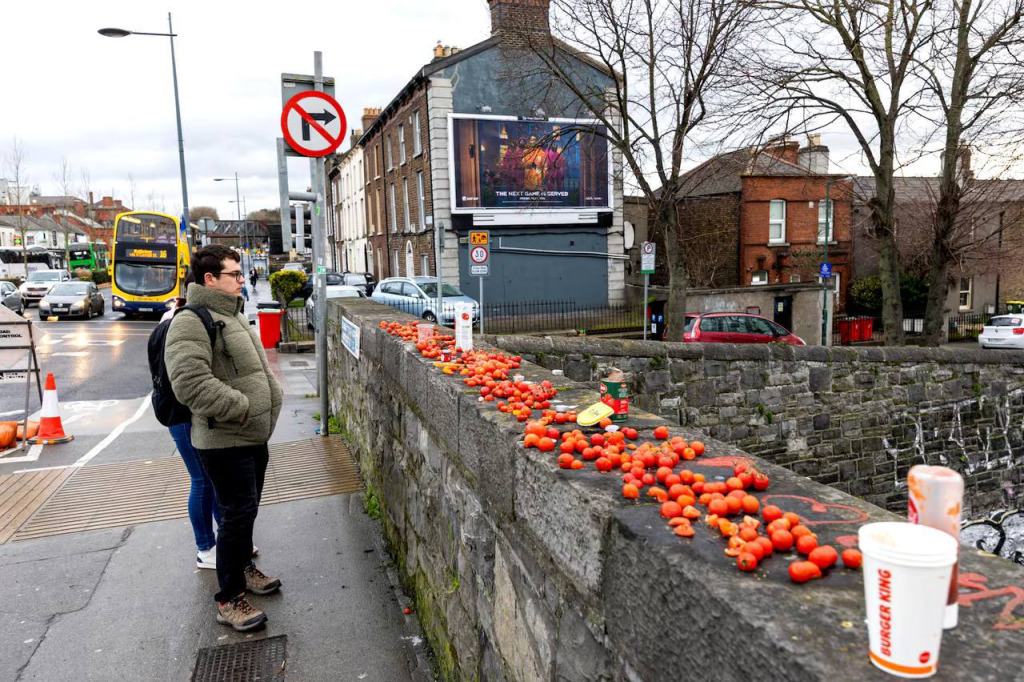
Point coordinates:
[[122, 33], [238, 205]]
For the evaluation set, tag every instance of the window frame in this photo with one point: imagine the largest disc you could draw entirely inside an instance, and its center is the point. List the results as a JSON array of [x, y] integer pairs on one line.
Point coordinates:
[[753, 276], [831, 219], [425, 265], [405, 204], [421, 200], [970, 294], [401, 145], [777, 222], [394, 213], [391, 154], [417, 135]]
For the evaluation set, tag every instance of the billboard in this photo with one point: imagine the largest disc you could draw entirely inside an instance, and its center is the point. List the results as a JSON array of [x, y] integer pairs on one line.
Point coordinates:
[[507, 163]]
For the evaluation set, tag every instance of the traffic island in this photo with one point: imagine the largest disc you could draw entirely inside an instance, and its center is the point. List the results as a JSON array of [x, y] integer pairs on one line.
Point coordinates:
[[523, 570]]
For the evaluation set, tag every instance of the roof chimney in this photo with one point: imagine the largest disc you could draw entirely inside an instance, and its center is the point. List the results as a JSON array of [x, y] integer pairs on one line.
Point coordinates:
[[438, 50], [529, 15], [814, 157], [370, 115], [354, 137]]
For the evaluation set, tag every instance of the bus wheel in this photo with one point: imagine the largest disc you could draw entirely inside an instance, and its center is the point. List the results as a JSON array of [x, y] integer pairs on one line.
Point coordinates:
[[129, 315]]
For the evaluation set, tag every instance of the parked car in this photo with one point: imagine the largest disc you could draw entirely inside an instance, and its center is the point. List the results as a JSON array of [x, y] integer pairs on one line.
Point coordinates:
[[40, 282], [332, 291], [73, 298], [333, 279], [11, 298], [1003, 331], [300, 267], [418, 296], [360, 279], [736, 328]]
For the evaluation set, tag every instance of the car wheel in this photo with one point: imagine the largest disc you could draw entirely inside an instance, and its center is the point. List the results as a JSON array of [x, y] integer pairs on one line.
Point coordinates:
[[88, 313], [429, 316], [103, 309]]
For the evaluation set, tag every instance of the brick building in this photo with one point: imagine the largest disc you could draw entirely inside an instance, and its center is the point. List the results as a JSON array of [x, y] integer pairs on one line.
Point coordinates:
[[758, 216], [436, 156]]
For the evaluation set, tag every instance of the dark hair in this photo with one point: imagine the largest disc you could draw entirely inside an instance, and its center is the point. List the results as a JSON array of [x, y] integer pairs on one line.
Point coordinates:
[[208, 260], [189, 278]]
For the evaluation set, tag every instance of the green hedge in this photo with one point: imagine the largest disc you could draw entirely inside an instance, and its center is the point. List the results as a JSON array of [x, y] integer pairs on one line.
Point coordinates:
[[97, 276], [286, 284]]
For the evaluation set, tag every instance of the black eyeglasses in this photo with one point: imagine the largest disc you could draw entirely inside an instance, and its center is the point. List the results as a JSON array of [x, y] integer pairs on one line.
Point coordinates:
[[237, 274]]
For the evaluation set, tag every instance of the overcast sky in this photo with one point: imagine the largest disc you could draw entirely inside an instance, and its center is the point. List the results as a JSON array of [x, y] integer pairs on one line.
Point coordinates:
[[108, 104]]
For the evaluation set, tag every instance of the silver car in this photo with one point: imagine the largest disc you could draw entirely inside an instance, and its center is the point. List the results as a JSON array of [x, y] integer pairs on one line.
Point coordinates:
[[73, 298], [332, 291], [39, 283], [11, 298], [418, 296]]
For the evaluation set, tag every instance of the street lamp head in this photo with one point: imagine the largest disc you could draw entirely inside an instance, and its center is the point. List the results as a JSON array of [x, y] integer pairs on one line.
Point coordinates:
[[114, 32]]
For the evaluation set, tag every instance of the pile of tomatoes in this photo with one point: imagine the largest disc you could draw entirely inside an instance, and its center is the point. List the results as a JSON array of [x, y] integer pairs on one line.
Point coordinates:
[[728, 507]]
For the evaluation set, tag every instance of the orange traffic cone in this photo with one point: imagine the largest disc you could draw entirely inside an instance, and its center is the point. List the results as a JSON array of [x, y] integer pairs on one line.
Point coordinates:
[[50, 429]]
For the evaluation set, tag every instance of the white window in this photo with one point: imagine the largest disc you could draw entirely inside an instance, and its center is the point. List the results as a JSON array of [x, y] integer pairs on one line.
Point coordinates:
[[394, 217], [759, 277], [777, 222], [397, 272], [376, 162], [966, 293], [378, 206], [826, 218], [417, 143], [390, 161], [794, 278], [380, 265], [422, 198], [425, 265], [401, 145], [405, 203]]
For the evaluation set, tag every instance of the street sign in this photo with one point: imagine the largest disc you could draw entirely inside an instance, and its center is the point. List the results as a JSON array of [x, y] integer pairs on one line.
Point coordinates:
[[321, 269], [647, 254], [825, 271], [479, 254], [313, 123]]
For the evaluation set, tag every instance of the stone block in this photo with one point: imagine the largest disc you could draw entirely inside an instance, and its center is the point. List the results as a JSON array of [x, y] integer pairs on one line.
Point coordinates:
[[820, 379], [822, 421]]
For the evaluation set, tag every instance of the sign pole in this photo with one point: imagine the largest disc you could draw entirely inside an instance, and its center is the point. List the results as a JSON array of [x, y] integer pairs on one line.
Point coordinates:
[[319, 247], [647, 279], [481, 305]]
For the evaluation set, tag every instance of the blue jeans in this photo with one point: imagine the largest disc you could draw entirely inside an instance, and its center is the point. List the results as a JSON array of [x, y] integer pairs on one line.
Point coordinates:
[[202, 501]]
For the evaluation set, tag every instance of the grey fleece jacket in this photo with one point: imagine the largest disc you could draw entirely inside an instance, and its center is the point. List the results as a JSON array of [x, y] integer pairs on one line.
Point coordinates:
[[230, 383]]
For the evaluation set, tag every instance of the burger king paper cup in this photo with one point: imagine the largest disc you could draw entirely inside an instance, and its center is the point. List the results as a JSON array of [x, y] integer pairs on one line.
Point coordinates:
[[907, 569]]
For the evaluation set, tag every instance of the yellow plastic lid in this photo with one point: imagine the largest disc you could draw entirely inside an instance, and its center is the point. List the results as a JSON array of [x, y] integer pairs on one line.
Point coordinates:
[[594, 414]]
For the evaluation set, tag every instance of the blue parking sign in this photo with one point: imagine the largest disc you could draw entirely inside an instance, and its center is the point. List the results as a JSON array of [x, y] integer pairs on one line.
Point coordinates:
[[825, 271]]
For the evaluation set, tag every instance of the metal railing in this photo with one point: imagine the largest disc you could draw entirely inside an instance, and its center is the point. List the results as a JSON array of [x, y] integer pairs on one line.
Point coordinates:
[[297, 325], [966, 327]]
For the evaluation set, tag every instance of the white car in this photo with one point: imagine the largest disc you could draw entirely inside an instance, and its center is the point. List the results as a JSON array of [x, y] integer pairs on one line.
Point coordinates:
[[1003, 331], [40, 282], [332, 291]]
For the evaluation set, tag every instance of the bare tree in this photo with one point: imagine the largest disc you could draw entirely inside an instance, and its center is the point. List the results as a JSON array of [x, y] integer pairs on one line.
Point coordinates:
[[669, 64], [131, 191], [265, 215], [15, 168], [197, 212], [975, 75], [855, 62], [63, 178]]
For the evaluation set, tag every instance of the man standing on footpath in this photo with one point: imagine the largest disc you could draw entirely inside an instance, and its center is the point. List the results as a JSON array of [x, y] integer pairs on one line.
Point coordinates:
[[235, 401]]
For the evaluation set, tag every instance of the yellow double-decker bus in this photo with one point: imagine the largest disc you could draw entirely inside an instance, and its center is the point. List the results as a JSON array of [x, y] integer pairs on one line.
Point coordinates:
[[150, 261]]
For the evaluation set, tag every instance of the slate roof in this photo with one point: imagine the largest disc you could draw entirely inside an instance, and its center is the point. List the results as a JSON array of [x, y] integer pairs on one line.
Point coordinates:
[[926, 189], [56, 200], [723, 174]]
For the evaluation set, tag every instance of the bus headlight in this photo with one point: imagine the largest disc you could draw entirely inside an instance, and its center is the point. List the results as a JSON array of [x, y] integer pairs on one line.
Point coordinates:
[[118, 302]]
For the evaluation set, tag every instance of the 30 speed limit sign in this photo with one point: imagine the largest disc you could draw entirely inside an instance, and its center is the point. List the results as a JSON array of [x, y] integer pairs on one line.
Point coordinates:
[[479, 253]]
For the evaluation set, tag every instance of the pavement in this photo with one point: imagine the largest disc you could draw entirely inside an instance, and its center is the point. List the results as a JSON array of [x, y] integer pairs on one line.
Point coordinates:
[[128, 603]]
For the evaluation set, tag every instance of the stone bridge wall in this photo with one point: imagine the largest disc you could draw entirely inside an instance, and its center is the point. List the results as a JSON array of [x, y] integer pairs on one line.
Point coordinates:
[[523, 571], [856, 419]]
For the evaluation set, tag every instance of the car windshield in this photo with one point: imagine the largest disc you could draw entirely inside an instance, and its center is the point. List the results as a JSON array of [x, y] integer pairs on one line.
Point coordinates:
[[41, 276], [1005, 322], [342, 293], [430, 289], [356, 280], [70, 289]]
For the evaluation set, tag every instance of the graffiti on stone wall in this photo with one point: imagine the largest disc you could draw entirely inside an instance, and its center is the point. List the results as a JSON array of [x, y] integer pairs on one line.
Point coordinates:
[[1001, 533], [1012, 615], [971, 436]]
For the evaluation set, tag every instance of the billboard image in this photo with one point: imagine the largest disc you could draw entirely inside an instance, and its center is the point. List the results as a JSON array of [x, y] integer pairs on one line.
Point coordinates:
[[501, 163]]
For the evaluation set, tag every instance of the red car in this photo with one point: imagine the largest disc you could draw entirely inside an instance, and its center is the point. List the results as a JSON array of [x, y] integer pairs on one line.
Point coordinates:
[[736, 328]]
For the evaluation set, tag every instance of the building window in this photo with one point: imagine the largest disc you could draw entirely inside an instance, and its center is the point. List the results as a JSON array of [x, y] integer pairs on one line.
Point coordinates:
[[410, 260], [401, 145], [397, 272], [391, 159], [417, 142], [777, 222], [405, 203], [380, 266], [794, 278], [425, 265], [394, 218], [378, 207], [759, 277], [966, 293], [376, 162], [421, 195], [826, 216]]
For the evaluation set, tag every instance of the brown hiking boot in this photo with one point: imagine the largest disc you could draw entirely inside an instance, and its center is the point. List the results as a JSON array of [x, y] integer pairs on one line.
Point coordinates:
[[258, 583], [240, 614]]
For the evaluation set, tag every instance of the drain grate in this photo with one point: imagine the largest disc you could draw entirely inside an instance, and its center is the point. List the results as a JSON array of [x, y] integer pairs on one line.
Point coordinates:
[[259, 661]]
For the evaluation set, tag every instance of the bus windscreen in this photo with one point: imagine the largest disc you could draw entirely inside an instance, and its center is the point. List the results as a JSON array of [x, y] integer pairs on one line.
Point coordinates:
[[146, 228], [145, 279]]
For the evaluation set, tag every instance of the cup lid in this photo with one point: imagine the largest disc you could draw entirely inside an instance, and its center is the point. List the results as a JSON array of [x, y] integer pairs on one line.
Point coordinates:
[[902, 541]]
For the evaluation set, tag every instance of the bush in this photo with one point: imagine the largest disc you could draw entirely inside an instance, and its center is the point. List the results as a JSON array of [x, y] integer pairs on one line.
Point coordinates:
[[100, 276], [83, 274], [866, 295], [286, 284]]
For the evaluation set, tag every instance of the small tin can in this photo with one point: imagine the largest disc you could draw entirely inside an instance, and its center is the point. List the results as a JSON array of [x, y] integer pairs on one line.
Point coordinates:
[[615, 394], [935, 499]]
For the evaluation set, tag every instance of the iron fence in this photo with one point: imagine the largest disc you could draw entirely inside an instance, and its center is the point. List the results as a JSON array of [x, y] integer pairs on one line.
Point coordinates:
[[966, 327], [297, 325], [537, 316]]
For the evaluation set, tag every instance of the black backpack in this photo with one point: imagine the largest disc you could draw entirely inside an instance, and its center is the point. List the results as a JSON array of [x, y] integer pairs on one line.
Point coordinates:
[[168, 410]]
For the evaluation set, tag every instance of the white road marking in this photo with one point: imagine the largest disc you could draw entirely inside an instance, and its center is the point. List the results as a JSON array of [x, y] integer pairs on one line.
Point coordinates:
[[33, 454], [10, 412], [74, 354], [84, 459]]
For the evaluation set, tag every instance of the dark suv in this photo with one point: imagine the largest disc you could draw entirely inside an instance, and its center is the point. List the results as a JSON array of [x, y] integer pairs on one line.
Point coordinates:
[[360, 279], [736, 328]]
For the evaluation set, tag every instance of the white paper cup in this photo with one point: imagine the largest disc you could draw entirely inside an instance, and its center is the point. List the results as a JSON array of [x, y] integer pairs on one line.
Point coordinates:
[[906, 579]]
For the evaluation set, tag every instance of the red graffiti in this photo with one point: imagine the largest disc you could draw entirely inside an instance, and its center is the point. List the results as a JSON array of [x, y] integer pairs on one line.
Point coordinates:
[[858, 516], [847, 540], [1006, 620], [729, 462]]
